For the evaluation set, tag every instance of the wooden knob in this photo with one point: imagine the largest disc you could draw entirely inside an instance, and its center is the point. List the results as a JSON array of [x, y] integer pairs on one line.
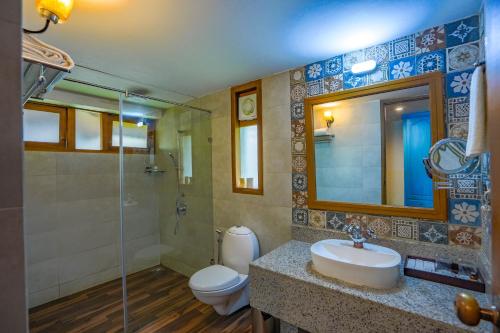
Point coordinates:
[[468, 310]]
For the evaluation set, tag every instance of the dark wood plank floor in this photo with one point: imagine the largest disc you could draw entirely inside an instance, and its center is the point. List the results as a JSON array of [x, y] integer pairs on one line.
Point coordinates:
[[159, 300]]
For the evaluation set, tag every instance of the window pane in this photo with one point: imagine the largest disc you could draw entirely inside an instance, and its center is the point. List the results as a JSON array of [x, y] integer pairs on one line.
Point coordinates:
[[134, 136], [249, 169], [87, 130], [187, 164], [41, 126]]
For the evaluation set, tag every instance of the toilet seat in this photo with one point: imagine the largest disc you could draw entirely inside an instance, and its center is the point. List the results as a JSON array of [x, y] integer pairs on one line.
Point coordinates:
[[214, 278]]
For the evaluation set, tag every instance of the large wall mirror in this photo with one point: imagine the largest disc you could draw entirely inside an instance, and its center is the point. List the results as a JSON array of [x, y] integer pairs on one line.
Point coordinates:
[[368, 146]]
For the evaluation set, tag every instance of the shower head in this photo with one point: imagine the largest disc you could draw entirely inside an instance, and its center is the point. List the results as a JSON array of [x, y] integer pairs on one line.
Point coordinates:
[[174, 160]]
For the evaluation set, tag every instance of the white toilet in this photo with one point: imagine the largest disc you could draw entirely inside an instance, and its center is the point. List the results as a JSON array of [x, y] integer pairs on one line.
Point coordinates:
[[226, 287]]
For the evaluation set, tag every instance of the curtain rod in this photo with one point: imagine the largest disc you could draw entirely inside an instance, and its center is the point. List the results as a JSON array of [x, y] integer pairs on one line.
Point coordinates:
[[128, 93]]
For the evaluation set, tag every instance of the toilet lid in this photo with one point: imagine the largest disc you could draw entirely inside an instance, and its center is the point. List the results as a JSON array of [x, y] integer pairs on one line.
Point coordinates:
[[213, 278]]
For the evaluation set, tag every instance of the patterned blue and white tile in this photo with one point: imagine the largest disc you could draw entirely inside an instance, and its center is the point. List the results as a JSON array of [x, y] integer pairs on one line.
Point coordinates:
[[402, 68], [353, 58], [334, 66], [354, 81], [379, 75], [458, 83], [431, 62], [299, 216], [335, 221], [315, 71], [297, 110], [379, 53], [465, 212], [299, 182], [431, 232], [334, 83], [462, 56], [402, 47], [467, 188], [462, 31], [315, 88]]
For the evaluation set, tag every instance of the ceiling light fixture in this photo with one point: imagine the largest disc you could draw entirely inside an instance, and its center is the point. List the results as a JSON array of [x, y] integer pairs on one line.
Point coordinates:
[[399, 108], [363, 67], [55, 11]]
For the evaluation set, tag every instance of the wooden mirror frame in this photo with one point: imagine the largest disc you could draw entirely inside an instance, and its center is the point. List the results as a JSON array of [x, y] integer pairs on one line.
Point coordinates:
[[436, 102]]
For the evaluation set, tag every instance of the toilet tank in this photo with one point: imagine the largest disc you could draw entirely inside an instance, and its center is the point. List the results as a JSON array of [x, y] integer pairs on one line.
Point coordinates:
[[239, 247]]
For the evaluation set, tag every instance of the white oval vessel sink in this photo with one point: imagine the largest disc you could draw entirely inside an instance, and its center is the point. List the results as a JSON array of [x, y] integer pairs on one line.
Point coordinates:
[[373, 266]]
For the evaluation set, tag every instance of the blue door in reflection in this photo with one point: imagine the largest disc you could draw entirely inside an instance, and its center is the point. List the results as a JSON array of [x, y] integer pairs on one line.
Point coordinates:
[[416, 143]]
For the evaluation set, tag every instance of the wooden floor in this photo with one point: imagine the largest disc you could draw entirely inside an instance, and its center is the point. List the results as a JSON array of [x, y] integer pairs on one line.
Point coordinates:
[[159, 300]]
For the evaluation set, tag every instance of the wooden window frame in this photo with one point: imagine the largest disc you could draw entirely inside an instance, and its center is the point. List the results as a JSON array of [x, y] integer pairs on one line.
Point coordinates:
[[67, 131], [236, 92], [63, 123], [439, 212]]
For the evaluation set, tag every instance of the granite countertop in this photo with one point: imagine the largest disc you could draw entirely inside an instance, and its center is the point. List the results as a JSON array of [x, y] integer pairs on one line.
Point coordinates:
[[420, 297]]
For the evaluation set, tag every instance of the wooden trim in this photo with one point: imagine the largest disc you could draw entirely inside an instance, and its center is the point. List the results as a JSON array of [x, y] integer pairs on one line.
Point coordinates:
[[48, 146], [436, 103], [242, 90], [108, 137]]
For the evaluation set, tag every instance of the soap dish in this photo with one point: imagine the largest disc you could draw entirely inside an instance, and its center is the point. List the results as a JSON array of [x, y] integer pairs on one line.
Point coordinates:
[[452, 274]]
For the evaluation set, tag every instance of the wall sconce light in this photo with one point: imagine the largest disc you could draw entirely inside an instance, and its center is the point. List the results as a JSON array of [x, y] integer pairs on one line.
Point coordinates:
[[328, 116], [363, 67], [55, 11]]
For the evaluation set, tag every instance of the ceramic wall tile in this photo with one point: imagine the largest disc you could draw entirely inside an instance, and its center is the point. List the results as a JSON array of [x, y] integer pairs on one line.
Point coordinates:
[[430, 40], [458, 130], [458, 83], [297, 75], [299, 199], [467, 188], [356, 219], [317, 218], [299, 163], [379, 53], [402, 47], [299, 182], [458, 109], [462, 57], [297, 109], [354, 81], [299, 216], [298, 93], [404, 228], [382, 226], [465, 212], [333, 66], [299, 146], [298, 128], [315, 71], [316, 87], [465, 236], [402, 68], [379, 75], [462, 31], [335, 220], [333, 83], [353, 58], [436, 233], [431, 62]]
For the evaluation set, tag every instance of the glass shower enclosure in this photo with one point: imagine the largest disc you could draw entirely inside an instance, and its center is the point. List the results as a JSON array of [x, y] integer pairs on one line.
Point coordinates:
[[127, 200]]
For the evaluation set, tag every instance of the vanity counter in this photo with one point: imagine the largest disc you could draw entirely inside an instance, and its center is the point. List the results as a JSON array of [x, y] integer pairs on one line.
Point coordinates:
[[283, 284]]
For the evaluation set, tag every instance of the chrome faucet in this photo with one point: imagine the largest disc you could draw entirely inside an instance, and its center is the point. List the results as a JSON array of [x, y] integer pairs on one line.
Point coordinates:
[[358, 235]]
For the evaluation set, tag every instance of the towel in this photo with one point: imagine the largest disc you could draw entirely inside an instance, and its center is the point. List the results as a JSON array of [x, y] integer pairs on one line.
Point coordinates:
[[476, 141]]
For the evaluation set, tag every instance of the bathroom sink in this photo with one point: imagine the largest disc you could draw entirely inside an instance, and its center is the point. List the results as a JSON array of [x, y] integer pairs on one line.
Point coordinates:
[[372, 266]]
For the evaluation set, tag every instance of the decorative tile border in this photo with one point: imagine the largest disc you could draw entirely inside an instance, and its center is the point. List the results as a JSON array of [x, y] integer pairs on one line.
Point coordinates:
[[452, 49]]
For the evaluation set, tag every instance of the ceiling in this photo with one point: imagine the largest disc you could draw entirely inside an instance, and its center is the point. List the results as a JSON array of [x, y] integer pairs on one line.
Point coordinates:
[[180, 49]]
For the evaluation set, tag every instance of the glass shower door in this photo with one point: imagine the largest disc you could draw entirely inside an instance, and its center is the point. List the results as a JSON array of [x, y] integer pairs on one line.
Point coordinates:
[[167, 229]]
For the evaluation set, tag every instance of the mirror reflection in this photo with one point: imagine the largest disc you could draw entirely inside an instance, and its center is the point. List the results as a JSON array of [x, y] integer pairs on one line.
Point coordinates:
[[369, 149]]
